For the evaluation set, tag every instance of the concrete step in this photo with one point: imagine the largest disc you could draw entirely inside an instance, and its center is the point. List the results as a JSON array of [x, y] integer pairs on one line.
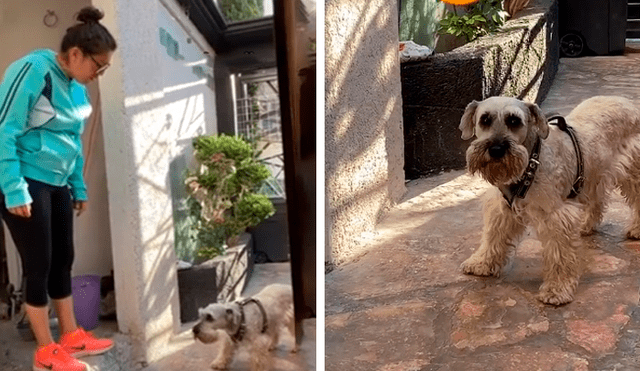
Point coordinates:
[[109, 361]]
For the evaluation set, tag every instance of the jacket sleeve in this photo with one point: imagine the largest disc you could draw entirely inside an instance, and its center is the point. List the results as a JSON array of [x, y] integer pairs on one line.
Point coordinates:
[[22, 84], [76, 179]]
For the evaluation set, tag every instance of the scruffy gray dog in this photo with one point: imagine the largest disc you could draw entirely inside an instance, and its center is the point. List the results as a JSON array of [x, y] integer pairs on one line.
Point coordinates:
[[554, 178], [254, 323]]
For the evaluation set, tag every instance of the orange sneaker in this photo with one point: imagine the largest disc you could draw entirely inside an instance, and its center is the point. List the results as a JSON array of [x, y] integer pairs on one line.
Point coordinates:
[[81, 343], [53, 358]]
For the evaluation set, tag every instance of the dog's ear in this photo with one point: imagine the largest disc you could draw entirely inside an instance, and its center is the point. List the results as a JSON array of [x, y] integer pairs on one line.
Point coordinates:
[[539, 120], [466, 123]]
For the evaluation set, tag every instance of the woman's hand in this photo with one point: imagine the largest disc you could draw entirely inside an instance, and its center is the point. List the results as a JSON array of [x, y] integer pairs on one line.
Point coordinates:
[[81, 206], [23, 210]]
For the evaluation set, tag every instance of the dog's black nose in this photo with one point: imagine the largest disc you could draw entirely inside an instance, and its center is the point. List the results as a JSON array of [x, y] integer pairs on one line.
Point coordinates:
[[196, 330], [498, 150]]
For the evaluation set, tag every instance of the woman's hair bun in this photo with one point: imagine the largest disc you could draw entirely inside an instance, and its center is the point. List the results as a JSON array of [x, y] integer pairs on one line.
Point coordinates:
[[90, 14]]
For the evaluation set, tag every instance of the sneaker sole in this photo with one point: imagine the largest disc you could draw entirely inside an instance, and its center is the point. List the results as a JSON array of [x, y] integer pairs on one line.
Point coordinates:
[[84, 353], [86, 367]]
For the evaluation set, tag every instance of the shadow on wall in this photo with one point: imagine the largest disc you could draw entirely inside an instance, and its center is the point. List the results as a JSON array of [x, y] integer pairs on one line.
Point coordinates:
[[185, 237], [503, 73], [363, 119], [156, 265]]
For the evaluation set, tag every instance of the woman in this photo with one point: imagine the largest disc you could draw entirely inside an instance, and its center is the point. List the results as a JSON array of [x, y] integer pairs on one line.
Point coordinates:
[[43, 108]]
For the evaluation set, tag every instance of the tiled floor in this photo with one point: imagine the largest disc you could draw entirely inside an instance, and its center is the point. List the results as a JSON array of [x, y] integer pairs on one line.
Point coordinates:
[[16, 354]]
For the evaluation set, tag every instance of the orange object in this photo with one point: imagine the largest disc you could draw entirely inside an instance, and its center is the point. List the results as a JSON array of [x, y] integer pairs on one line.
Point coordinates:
[[459, 2], [81, 343]]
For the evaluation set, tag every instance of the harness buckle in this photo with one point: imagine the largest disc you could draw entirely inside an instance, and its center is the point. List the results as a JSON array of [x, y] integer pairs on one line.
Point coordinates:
[[579, 184]]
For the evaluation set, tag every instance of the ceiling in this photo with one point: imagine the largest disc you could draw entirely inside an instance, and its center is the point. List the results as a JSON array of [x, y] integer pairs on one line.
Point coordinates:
[[241, 46]]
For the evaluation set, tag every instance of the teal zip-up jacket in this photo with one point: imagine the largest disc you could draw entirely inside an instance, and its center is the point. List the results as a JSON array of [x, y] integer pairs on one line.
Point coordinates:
[[42, 117]]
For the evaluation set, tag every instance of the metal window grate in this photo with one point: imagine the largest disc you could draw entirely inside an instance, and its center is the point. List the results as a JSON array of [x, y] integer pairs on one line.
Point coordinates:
[[258, 118]]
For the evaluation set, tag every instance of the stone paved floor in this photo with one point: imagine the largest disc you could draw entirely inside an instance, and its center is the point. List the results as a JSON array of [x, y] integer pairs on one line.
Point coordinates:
[[404, 305]]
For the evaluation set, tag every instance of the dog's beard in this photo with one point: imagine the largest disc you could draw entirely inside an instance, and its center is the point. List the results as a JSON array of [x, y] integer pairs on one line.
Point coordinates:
[[504, 170], [207, 334]]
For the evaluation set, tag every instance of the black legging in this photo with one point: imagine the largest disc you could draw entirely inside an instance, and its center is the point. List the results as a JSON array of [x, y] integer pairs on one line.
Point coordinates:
[[45, 242]]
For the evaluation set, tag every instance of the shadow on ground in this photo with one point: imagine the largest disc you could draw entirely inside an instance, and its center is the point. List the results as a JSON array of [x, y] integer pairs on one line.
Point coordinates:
[[404, 305]]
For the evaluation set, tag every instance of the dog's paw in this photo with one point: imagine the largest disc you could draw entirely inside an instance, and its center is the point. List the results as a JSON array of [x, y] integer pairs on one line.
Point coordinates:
[[218, 365], [479, 267], [555, 295], [634, 233]]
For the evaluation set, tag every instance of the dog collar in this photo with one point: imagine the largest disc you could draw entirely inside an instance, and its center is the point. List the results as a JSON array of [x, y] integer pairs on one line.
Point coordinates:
[[242, 328], [561, 123], [521, 188]]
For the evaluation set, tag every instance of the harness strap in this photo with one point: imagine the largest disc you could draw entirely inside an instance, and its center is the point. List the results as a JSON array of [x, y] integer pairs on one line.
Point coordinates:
[[561, 123], [242, 329]]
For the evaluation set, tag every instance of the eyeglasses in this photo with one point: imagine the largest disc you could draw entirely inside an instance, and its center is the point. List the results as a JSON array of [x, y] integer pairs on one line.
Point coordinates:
[[101, 67]]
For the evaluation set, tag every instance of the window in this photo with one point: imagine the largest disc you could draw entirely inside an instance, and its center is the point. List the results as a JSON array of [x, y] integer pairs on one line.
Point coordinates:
[[244, 10]]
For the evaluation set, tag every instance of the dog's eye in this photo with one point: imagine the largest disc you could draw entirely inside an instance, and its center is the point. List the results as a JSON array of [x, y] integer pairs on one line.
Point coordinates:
[[485, 120], [513, 122], [209, 318]]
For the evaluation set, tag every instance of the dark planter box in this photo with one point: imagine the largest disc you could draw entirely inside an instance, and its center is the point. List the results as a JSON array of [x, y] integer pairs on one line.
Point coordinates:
[[519, 61], [219, 279], [197, 288], [271, 236]]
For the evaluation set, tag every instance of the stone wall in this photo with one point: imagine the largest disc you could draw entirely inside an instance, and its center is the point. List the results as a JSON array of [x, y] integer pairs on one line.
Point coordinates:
[[363, 119], [520, 61]]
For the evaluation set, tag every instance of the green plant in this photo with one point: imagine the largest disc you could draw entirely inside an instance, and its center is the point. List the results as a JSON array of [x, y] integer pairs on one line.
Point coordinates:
[[480, 18], [223, 194], [242, 10]]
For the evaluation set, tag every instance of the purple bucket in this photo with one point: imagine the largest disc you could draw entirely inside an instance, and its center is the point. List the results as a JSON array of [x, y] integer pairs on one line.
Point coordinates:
[[86, 300]]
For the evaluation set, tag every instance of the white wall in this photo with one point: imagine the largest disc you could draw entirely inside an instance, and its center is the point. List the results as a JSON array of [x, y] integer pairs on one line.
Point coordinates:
[[154, 104], [22, 30]]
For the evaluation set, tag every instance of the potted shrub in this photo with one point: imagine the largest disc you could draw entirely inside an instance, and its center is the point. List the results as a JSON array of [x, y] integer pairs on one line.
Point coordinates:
[[223, 201], [477, 19], [223, 190]]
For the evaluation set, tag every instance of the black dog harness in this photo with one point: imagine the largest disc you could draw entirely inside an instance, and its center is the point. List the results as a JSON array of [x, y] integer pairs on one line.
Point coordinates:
[[242, 329], [521, 188]]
